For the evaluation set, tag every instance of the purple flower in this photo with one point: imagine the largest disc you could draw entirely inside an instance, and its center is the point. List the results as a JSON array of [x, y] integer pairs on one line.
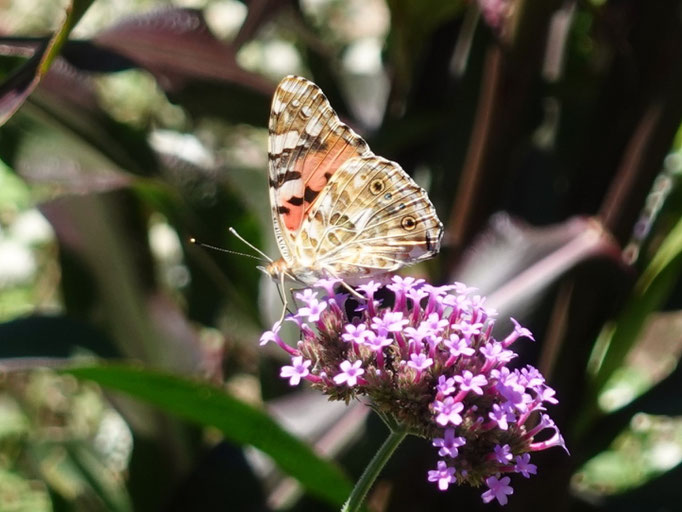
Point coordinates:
[[468, 330], [501, 415], [313, 311], [443, 475], [401, 285], [449, 444], [377, 341], [355, 333], [435, 324], [307, 296], [556, 440], [419, 362], [517, 333], [436, 291], [272, 335], [390, 322], [498, 489], [524, 466], [328, 285], [496, 352], [460, 302], [419, 333], [470, 382], [448, 411], [416, 295], [297, 371], [510, 389], [547, 395], [349, 373], [369, 289], [462, 289], [458, 346], [430, 363], [502, 454], [544, 423], [531, 377], [445, 386]]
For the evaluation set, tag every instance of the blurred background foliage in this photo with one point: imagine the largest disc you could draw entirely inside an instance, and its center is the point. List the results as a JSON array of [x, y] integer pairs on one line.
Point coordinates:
[[546, 133]]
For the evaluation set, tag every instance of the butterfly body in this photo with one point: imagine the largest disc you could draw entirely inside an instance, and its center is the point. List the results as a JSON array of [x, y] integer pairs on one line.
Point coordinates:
[[339, 210]]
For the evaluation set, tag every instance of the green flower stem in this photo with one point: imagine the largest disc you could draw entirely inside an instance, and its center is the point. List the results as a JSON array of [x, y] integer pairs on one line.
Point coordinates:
[[372, 471]]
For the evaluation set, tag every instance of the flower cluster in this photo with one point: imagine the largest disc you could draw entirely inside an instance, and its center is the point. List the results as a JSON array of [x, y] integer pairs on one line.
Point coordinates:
[[430, 363]]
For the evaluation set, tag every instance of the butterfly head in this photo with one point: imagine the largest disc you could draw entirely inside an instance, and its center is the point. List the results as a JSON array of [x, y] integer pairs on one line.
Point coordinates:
[[280, 270]]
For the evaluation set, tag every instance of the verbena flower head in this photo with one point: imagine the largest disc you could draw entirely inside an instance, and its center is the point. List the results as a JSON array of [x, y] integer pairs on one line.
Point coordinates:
[[431, 364]]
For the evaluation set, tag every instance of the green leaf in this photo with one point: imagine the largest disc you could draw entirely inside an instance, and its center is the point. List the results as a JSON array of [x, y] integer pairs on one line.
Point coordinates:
[[653, 287], [240, 423], [19, 86], [19, 494]]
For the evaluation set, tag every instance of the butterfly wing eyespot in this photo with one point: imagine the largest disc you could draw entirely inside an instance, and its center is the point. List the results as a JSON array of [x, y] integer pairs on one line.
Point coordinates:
[[337, 208], [377, 186], [408, 223]]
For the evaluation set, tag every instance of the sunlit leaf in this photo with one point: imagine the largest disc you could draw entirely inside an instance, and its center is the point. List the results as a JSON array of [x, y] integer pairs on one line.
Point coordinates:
[[18, 86], [21, 495], [652, 288]]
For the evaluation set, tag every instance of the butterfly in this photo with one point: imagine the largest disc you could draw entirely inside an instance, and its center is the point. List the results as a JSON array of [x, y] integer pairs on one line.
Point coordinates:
[[338, 210]]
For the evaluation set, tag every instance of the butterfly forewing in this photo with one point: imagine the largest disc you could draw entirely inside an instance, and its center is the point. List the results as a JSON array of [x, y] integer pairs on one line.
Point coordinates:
[[307, 143]]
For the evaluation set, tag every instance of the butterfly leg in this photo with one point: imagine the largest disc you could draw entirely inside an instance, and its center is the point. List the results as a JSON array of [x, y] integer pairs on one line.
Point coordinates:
[[283, 296], [347, 286], [352, 291]]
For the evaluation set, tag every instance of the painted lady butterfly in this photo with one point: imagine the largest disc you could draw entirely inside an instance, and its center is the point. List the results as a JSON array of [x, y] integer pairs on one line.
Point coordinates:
[[338, 210]]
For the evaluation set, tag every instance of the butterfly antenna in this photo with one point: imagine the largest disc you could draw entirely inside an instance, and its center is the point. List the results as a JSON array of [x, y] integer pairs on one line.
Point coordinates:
[[234, 232], [220, 249]]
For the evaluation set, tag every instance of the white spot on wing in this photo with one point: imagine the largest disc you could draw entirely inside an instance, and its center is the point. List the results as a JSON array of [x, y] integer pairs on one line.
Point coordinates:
[[359, 181], [292, 85], [277, 106], [290, 189], [286, 140], [314, 127], [361, 217]]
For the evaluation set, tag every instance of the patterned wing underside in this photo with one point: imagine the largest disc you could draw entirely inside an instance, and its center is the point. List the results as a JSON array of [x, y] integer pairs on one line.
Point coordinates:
[[306, 145], [371, 218]]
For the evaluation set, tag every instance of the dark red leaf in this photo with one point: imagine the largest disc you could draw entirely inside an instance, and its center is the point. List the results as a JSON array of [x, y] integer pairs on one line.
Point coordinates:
[[176, 45]]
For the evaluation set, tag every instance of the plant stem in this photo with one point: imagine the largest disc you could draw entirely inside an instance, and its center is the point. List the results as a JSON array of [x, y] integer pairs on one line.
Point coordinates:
[[373, 469]]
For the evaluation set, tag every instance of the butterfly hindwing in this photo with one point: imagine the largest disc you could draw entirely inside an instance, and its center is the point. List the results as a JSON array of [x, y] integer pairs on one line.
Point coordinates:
[[370, 218], [307, 143]]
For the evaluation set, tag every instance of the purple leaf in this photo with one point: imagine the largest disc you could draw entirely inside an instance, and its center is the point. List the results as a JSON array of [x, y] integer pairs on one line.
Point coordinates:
[[512, 262], [176, 45]]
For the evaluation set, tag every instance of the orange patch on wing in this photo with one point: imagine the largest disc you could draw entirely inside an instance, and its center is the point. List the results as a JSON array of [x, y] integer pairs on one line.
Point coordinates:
[[318, 167], [293, 216]]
